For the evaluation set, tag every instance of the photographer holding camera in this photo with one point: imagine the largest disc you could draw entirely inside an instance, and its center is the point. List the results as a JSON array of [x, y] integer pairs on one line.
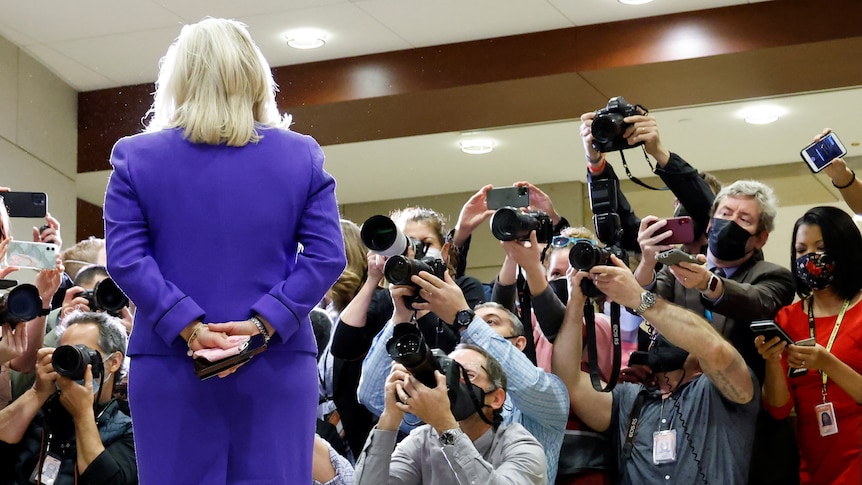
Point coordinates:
[[695, 422], [474, 449], [538, 399], [67, 428], [625, 126]]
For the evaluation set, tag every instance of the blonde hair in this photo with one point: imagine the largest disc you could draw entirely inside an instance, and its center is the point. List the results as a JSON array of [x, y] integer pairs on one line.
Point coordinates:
[[215, 84], [82, 254], [345, 288]]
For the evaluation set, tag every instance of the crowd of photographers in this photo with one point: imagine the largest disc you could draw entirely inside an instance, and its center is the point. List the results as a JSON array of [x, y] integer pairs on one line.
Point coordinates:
[[623, 354]]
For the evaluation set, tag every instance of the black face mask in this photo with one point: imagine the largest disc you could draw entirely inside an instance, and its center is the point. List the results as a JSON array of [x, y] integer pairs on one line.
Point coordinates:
[[665, 357], [560, 287], [727, 240]]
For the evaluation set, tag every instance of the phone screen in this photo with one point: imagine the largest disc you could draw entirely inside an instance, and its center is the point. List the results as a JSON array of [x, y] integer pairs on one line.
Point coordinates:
[[820, 153]]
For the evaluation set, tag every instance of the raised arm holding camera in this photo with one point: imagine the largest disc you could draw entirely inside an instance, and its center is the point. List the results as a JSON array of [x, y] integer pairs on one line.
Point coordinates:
[[704, 398]]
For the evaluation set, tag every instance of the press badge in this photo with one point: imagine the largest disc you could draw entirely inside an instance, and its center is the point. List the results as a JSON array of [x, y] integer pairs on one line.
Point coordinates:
[[664, 446], [50, 470], [826, 419]]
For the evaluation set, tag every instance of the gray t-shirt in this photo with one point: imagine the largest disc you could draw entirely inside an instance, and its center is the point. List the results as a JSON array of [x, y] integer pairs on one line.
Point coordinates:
[[710, 429]]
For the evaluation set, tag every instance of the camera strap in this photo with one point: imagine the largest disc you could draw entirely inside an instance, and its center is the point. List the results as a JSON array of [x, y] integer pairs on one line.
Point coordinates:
[[635, 179], [526, 304], [592, 351]]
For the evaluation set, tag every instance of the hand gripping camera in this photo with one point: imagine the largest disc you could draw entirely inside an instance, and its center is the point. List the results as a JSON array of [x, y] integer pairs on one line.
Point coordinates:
[[586, 254], [608, 126], [407, 347], [71, 361]]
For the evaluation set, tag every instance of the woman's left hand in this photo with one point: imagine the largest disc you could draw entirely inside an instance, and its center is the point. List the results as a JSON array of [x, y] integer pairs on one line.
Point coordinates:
[[242, 327], [803, 356]]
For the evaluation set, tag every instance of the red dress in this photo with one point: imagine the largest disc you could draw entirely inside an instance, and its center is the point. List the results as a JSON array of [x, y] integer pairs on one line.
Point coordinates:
[[834, 459]]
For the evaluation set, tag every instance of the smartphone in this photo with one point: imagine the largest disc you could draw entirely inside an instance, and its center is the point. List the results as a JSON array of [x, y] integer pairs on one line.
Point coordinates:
[[769, 329], [675, 256], [34, 255], [26, 204], [820, 154], [683, 230], [205, 369], [807, 342], [508, 197]]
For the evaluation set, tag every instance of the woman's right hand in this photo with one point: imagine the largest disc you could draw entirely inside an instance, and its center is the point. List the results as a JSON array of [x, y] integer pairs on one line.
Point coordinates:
[[771, 350]]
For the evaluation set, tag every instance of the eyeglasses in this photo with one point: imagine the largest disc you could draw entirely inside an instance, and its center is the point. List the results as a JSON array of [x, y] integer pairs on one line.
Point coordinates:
[[565, 241]]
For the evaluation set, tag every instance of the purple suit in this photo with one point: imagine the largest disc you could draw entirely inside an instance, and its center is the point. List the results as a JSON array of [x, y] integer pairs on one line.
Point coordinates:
[[220, 233]]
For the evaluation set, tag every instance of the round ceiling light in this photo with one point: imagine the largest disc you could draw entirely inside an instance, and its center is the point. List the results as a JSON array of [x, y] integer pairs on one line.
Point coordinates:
[[760, 116], [477, 146], [634, 2], [305, 38]]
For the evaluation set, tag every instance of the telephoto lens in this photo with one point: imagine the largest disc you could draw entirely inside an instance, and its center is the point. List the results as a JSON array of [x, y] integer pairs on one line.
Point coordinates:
[[108, 296], [71, 361], [380, 235]]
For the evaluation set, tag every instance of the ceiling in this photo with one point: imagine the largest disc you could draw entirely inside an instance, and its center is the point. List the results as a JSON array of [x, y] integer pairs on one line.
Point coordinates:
[[97, 44]]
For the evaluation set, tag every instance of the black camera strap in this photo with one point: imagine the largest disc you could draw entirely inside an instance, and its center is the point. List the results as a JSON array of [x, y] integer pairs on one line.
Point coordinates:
[[526, 304], [592, 351], [637, 180]]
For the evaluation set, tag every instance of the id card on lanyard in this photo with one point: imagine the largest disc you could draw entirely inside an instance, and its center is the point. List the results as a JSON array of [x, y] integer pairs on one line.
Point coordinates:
[[827, 422]]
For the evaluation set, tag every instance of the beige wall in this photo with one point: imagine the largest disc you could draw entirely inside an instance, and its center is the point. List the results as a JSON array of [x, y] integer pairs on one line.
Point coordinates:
[[38, 139], [797, 190]]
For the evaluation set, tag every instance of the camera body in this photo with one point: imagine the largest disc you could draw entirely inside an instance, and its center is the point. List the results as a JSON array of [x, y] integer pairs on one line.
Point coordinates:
[[586, 254], [608, 126], [512, 224], [20, 304], [71, 361], [407, 347], [399, 269], [105, 296]]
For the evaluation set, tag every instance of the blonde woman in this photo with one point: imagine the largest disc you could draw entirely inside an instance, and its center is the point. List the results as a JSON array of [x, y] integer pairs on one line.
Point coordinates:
[[218, 213]]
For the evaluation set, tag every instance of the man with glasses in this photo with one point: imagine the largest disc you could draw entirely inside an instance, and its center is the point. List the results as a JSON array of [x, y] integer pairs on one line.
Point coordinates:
[[71, 431], [476, 449]]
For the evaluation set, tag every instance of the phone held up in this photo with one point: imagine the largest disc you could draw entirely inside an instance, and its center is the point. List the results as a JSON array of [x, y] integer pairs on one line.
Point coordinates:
[[675, 256], [769, 329], [683, 230], [25, 204], [33, 255], [508, 197], [820, 154]]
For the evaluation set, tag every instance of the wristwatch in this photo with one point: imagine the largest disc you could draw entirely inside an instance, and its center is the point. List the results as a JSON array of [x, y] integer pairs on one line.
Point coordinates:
[[462, 319], [712, 284], [647, 301], [448, 437]]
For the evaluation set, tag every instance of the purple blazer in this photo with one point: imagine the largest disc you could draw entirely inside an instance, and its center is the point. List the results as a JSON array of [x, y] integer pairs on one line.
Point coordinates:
[[219, 233]]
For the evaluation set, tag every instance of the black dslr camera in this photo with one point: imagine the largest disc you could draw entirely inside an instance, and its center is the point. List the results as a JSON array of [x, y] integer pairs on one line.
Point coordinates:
[[586, 254], [407, 347], [20, 304], [398, 270], [71, 361], [106, 296], [608, 126], [511, 224]]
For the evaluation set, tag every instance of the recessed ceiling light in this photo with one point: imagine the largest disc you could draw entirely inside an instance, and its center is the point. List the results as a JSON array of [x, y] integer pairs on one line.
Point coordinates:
[[761, 116], [477, 146], [634, 2], [306, 38]]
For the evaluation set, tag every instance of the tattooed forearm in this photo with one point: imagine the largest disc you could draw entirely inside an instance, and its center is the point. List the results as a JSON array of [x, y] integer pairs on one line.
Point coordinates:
[[734, 382]]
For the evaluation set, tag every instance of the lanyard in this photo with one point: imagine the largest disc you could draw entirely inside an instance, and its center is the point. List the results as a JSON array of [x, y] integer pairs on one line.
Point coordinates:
[[831, 336]]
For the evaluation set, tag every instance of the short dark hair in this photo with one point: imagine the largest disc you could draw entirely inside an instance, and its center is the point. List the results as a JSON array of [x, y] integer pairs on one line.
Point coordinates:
[[842, 241], [88, 274], [496, 374]]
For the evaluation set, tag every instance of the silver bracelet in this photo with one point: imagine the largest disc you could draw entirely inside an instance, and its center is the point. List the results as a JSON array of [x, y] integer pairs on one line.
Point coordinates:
[[261, 327]]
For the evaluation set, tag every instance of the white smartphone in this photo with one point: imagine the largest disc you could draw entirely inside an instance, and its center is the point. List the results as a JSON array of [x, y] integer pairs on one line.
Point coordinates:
[[820, 154], [807, 342], [34, 255]]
